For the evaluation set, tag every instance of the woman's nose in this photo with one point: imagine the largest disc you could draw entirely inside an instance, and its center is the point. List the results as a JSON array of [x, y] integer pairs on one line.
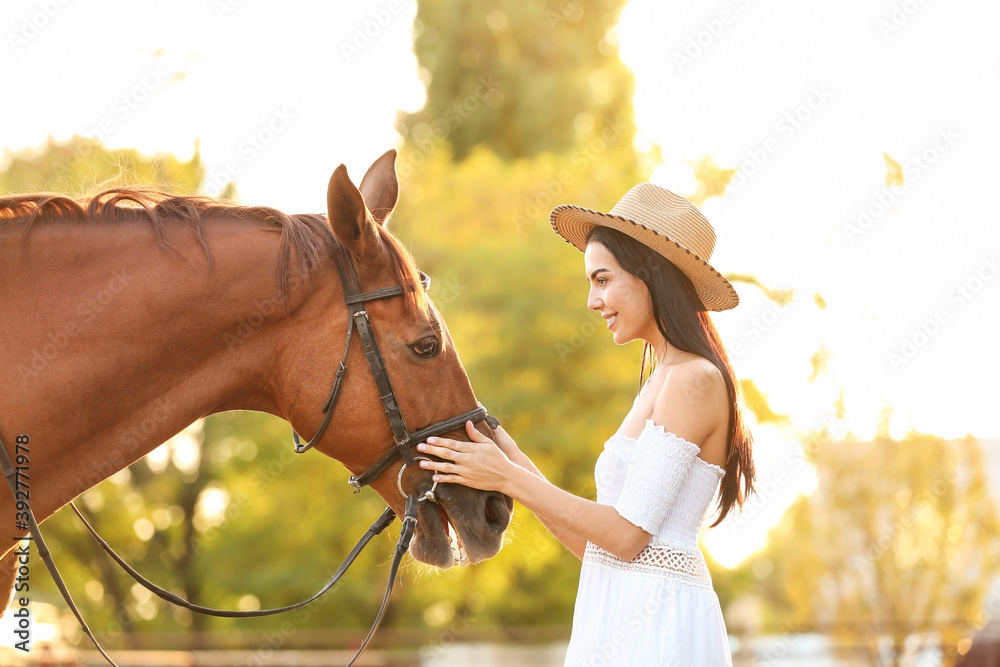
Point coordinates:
[[594, 302]]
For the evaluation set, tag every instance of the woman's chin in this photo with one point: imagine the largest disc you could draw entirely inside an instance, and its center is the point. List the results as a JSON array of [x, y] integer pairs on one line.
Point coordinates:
[[622, 338]]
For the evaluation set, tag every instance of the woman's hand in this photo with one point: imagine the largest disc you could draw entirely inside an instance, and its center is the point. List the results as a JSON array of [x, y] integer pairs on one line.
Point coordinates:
[[479, 464], [506, 443]]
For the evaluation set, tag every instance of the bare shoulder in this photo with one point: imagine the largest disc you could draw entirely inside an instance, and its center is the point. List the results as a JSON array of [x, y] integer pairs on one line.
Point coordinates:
[[698, 379], [693, 401]]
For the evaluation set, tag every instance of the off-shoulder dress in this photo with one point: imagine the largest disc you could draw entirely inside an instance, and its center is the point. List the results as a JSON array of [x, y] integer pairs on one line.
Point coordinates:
[[659, 608]]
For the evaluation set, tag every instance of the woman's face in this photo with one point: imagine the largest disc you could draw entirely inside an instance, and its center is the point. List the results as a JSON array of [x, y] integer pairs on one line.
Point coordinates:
[[622, 299]]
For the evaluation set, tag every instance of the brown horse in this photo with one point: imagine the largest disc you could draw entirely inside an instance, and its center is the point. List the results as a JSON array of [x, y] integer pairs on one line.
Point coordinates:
[[127, 317]]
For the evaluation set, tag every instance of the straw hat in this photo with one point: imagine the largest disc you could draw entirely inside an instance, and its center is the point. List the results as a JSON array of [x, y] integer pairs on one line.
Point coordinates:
[[667, 223]]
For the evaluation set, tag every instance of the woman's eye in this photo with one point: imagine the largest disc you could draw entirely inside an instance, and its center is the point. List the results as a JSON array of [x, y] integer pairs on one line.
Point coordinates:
[[428, 347], [601, 281]]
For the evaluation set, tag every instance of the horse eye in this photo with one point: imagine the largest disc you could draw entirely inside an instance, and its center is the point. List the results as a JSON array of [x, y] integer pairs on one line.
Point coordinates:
[[427, 347]]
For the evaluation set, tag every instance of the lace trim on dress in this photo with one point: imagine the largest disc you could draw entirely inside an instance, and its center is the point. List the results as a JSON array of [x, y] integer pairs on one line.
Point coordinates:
[[658, 559]]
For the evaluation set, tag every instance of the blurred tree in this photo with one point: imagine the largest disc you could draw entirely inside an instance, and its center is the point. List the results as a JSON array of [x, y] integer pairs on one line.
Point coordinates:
[[513, 126], [83, 166], [893, 561], [712, 180], [520, 77]]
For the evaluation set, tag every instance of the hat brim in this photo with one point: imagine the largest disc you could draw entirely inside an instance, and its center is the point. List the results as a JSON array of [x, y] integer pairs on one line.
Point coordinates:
[[574, 223]]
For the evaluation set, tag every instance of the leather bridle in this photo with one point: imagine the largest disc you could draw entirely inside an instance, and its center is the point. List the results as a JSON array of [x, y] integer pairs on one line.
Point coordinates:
[[357, 318]]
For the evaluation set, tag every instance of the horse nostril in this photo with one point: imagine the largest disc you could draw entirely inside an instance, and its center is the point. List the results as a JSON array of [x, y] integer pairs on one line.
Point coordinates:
[[497, 515]]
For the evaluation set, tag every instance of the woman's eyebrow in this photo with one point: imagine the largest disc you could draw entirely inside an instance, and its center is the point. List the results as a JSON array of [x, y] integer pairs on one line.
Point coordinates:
[[593, 274]]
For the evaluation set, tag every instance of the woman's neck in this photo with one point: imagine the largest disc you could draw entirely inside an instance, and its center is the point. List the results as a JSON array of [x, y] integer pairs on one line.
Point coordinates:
[[668, 355]]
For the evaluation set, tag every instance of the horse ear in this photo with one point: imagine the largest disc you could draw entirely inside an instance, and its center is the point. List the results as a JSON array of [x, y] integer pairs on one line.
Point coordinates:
[[380, 188], [350, 220]]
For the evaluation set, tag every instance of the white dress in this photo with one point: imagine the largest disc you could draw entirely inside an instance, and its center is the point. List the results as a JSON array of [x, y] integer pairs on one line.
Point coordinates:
[[659, 608]]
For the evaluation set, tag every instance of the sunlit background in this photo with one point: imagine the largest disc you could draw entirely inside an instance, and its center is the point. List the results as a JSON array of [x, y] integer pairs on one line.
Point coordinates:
[[832, 88], [819, 109]]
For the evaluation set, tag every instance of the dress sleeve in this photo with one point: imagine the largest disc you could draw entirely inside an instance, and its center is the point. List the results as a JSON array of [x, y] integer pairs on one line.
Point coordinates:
[[654, 475]]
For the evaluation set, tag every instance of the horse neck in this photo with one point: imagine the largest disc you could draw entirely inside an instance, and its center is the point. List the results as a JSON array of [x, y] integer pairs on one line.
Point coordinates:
[[117, 344]]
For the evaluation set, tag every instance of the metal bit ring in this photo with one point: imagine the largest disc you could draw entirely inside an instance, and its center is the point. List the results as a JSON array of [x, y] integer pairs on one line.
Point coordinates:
[[426, 495]]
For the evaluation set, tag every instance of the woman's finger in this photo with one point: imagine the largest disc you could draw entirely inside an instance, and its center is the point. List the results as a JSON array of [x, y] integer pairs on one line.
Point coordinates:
[[448, 472], [444, 471], [449, 479], [446, 443], [439, 466], [437, 450], [474, 433]]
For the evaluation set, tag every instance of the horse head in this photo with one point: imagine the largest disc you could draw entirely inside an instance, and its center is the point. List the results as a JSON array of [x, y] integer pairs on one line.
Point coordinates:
[[460, 525]]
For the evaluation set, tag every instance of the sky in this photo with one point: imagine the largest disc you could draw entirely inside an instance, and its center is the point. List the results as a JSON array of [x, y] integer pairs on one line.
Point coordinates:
[[804, 99]]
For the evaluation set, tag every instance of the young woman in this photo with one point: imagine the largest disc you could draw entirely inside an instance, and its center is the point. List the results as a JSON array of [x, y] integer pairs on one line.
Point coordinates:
[[645, 595]]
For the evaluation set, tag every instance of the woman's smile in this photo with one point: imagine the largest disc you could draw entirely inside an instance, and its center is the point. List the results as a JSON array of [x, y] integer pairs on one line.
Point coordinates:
[[617, 294]]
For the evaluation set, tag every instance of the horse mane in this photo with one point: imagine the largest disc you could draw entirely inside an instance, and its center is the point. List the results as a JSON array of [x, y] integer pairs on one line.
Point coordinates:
[[307, 235]]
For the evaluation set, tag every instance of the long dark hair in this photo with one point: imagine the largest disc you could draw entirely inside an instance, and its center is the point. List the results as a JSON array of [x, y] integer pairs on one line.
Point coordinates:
[[681, 318]]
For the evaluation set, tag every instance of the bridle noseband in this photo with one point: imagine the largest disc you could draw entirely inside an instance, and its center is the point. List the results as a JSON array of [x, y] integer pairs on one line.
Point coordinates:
[[357, 318]]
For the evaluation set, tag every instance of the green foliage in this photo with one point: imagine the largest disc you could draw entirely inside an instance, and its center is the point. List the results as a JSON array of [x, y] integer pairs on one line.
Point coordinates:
[[900, 540], [521, 78], [82, 166], [756, 401]]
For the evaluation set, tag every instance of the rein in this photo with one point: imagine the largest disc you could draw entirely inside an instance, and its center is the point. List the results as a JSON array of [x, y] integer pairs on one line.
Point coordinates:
[[403, 441]]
